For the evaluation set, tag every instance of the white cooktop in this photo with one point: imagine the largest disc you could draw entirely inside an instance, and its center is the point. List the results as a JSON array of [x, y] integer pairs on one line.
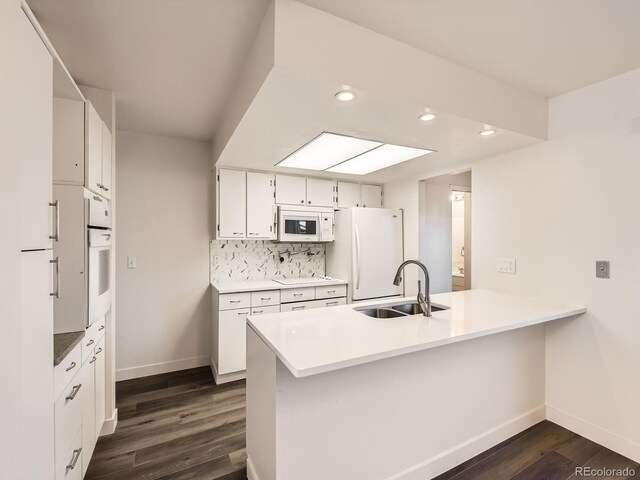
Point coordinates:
[[299, 281]]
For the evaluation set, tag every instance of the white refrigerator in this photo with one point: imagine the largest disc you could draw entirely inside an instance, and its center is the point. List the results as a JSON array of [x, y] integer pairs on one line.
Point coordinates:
[[367, 251]]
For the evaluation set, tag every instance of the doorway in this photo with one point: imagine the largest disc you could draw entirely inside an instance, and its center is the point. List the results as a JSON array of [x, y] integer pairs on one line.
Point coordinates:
[[445, 231]]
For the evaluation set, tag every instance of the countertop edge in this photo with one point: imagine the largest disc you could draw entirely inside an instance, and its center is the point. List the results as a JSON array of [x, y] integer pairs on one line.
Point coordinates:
[[63, 345], [307, 372], [273, 285]]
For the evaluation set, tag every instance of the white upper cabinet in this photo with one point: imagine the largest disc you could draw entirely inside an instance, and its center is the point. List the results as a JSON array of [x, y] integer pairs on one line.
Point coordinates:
[[93, 150], [29, 135], [321, 193], [291, 190], [260, 203], [348, 195], [232, 203], [68, 141], [372, 196], [106, 161]]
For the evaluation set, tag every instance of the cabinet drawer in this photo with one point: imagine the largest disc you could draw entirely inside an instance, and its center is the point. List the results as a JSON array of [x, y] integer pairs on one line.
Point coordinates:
[[68, 419], [71, 466], [331, 291], [268, 297], [65, 371], [457, 281], [265, 310], [297, 294], [94, 333], [229, 301], [298, 306], [331, 302]]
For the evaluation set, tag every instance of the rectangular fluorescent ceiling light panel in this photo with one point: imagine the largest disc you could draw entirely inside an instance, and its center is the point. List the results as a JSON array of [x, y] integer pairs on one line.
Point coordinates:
[[382, 157], [327, 150]]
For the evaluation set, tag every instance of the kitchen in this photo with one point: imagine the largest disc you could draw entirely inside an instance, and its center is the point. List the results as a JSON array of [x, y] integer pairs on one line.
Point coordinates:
[[219, 250]]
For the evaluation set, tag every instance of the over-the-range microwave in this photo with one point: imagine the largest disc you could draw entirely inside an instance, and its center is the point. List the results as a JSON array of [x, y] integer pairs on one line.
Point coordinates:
[[305, 224]]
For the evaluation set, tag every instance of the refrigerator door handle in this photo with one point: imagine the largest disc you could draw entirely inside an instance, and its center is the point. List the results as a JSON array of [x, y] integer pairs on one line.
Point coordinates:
[[357, 258]]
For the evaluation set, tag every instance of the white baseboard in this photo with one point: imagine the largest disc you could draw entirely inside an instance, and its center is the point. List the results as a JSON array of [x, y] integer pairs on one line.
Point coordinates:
[[226, 378], [470, 448], [109, 425], [162, 367], [251, 471], [608, 439]]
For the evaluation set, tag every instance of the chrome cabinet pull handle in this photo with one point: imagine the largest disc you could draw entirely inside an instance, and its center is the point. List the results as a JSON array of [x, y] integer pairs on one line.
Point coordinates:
[[243, 313], [101, 328], [257, 312], [91, 342], [331, 303], [265, 299], [74, 392], [56, 235], [238, 233], [302, 307], [234, 301], [97, 198], [56, 261], [99, 351], [105, 188], [71, 367], [297, 294], [93, 359], [74, 459], [331, 291]]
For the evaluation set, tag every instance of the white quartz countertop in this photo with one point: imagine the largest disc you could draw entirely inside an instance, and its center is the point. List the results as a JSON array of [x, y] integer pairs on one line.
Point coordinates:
[[311, 342], [257, 285]]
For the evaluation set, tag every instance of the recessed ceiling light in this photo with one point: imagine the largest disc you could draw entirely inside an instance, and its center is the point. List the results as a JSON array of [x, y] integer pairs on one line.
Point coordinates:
[[426, 117], [487, 132], [326, 150], [382, 157], [345, 95]]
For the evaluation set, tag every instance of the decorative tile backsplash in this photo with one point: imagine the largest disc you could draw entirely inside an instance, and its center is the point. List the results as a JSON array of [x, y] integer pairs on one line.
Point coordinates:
[[232, 260]]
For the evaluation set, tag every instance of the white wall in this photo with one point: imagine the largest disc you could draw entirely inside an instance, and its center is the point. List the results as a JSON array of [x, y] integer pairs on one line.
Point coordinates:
[[557, 208], [163, 306]]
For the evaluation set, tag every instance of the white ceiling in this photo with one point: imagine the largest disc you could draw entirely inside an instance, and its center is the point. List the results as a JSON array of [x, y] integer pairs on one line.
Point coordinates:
[[546, 46], [171, 63]]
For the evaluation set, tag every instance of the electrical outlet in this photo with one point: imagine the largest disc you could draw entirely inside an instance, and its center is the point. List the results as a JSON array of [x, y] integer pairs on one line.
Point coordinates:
[[507, 265], [132, 262]]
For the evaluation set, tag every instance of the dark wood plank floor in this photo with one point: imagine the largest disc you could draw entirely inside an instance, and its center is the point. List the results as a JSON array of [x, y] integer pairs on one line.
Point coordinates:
[[181, 426], [175, 426]]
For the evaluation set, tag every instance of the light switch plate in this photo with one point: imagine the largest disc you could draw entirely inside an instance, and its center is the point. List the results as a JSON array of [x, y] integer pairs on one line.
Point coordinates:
[[603, 269], [507, 265], [132, 262]]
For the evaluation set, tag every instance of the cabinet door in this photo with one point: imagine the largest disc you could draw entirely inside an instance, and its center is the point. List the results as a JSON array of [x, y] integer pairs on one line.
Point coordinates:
[[372, 196], [232, 203], [87, 380], [29, 136], [28, 395], [260, 201], [106, 161], [68, 141], [348, 194], [232, 340], [100, 386], [290, 190], [321, 193], [93, 149]]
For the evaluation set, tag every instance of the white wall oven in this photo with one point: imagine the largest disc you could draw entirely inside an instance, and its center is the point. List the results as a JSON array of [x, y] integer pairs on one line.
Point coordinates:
[[99, 264]]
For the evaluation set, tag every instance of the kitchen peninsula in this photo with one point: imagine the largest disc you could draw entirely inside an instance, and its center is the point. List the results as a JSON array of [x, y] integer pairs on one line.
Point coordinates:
[[333, 393]]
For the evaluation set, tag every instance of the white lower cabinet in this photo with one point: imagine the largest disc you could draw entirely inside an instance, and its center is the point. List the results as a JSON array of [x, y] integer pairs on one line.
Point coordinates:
[[230, 310], [79, 410]]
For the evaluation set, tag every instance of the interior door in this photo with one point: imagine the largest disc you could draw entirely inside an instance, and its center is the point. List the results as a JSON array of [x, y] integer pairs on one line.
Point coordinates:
[[378, 252]]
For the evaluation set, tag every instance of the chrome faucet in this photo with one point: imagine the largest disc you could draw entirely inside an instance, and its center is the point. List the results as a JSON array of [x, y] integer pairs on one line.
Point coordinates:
[[423, 299]]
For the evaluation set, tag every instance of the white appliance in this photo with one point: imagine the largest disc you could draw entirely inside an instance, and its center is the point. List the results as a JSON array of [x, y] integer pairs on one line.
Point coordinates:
[[99, 238], [305, 224], [367, 251]]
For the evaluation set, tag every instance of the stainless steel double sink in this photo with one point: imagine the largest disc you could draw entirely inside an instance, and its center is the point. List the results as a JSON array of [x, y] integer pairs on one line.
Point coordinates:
[[396, 310]]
